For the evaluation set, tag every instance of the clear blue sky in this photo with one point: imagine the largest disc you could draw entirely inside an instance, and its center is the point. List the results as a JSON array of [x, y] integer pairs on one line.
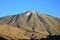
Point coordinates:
[[11, 7]]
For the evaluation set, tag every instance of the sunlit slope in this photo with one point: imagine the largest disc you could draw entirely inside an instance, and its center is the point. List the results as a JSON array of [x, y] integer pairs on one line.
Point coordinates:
[[10, 31]]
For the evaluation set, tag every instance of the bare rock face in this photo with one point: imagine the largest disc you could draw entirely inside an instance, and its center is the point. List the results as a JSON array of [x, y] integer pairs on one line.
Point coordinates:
[[29, 25]]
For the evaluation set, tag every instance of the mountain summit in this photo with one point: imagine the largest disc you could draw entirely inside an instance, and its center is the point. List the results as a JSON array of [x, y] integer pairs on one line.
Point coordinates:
[[29, 25]]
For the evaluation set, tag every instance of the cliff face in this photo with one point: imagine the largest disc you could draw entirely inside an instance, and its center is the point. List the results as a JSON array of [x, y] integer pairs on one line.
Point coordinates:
[[29, 25]]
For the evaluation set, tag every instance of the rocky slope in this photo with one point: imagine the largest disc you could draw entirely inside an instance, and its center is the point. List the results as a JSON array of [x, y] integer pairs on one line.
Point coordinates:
[[29, 25]]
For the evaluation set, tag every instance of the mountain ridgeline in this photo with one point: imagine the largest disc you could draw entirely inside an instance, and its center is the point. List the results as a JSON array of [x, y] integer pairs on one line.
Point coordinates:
[[29, 25]]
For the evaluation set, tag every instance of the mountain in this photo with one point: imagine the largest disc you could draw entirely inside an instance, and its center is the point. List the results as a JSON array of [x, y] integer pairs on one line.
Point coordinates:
[[29, 25]]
